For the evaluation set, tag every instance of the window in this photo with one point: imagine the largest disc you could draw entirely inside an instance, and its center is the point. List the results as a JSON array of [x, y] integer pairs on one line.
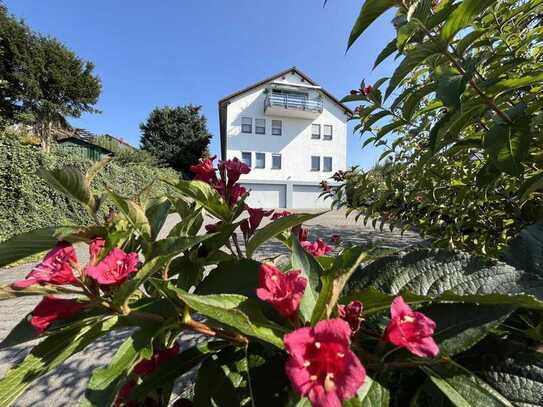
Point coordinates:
[[315, 163], [246, 158], [316, 131], [260, 160], [277, 127], [327, 164], [246, 125], [260, 126], [327, 134], [276, 161]]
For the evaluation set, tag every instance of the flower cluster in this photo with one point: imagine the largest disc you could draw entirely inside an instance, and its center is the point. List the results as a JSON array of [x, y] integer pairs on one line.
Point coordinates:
[[366, 90], [321, 364], [61, 267]]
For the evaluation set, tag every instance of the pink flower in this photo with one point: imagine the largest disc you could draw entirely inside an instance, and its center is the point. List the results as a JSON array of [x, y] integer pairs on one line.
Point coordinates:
[[147, 366], [325, 187], [233, 168], [204, 170], [278, 215], [236, 192], [367, 90], [249, 226], [317, 248], [283, 290], [351, 314], [322, 366], [335, 238], [212, 227], [55, 268], [95, 247], [124, 395], [115, 268], [51, 309], [411, 330]]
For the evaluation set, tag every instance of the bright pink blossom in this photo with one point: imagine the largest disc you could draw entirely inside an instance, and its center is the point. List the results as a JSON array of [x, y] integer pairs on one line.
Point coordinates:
[[233, 168], [236, 192], [321, 365], [147, 366], [51, 309], [55, 268], [283, 290], [95, 247], [115, 268], [411, 330], [352, 314], [278, 215], [249, 226], [204, 170], [316, 248]]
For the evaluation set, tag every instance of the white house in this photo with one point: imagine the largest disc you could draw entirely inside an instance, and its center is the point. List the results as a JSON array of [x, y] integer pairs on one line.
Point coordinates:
[[291, 132]]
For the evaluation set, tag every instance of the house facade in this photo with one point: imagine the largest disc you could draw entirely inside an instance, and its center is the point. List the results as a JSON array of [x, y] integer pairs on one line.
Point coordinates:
[[291, 132]]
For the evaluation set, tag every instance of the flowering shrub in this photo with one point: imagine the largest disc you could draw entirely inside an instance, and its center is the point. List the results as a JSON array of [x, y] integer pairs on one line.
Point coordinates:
[[323, 328]]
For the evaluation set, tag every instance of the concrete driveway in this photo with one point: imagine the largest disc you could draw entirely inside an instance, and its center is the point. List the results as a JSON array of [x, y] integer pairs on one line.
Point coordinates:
[[65, 385]]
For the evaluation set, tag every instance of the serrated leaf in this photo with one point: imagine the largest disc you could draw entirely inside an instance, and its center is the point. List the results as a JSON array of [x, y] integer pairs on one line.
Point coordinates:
[[71, 182], [310, 270], [157, 211], [134, 213], [276, 227], [232, 277], [371, 394]]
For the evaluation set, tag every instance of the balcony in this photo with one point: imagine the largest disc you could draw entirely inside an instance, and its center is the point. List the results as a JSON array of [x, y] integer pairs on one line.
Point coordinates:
[[292, 104]]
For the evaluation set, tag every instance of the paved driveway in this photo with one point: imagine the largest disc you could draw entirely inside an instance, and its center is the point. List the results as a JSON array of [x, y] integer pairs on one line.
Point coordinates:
[[65, 385]]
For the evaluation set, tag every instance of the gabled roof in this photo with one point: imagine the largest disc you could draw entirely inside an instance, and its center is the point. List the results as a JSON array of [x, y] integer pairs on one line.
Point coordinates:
[[223, 103]]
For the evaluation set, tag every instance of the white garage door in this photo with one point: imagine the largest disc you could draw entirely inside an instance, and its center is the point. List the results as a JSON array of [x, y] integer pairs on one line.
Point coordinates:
[[307, 197], [266, 195]]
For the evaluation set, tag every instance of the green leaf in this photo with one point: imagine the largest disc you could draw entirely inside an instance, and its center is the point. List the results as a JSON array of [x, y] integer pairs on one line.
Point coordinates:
[[370, 11], [236, 311], [508, 144], [371, 394], [533, 184], [525, 252], [156, 212], [508, 85], [463, 16], [413, 59], [176, 245], [176, 366], [433, 272], [334, 280], [27, 244], [72, 183], [47, 355], [134, 213], [276, 227], [150, 267], [95, 169], [515, 370], [232, 277], [205, 195], [104, 382], [462, 388], [311, 270]]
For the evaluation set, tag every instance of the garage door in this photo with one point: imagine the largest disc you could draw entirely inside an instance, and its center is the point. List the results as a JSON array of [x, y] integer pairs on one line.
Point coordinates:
[[266, 195], [307, 197]]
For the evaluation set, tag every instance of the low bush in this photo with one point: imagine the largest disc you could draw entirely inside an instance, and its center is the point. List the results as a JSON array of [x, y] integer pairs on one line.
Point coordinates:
[[27, 202]]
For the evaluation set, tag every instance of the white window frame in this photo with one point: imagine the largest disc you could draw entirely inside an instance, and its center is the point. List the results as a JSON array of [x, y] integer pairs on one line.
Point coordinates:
[[331, 164], [274, 127], [328, 136], [318, 168], [315, 136], [264, 160], [275, 155], [262, 126], [243, 125], [250, 164]]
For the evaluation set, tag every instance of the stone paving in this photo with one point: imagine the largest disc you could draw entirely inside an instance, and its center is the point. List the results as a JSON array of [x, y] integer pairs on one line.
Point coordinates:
[[65, 385]]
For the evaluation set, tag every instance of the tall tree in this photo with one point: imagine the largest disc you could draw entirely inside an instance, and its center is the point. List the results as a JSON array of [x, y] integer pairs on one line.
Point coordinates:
[[41, 81], [178, 136]]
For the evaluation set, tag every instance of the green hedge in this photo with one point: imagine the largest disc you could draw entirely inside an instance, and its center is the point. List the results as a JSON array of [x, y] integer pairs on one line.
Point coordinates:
[[27, 202]]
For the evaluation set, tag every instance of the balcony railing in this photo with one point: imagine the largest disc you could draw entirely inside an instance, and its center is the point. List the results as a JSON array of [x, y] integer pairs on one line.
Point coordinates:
[[287, 101]]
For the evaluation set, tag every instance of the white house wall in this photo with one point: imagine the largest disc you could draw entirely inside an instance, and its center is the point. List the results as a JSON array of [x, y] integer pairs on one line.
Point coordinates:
[[295, 144]]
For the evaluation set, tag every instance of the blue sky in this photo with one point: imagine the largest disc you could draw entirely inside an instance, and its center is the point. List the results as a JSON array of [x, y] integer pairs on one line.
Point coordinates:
[[175, 52]]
